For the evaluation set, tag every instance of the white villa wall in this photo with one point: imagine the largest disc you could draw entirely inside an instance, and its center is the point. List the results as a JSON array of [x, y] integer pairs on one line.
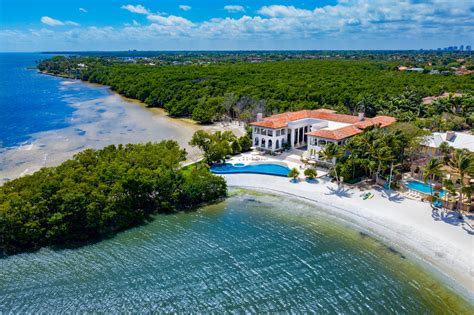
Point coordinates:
[[295, 128], [257, 138]]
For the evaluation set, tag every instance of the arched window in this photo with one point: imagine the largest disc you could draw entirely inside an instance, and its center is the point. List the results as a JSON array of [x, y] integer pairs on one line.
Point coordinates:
[[277, 144], [263, 143], [256, 142], [270, 143]]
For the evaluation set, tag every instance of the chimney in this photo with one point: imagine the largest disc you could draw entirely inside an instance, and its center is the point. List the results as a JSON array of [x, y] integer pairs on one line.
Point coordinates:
[[450, 135], [361, 116], [259, 116]]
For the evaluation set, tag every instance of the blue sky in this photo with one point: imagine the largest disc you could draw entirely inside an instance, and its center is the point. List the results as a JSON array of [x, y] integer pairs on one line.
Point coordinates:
[[36, 25]]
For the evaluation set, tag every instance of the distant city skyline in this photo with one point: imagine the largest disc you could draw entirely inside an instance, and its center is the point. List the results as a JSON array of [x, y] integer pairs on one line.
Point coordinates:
[[81, 25]]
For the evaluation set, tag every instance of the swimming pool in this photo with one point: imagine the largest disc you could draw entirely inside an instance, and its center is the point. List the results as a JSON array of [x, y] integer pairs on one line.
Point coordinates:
[[265, 168], [423, 188]]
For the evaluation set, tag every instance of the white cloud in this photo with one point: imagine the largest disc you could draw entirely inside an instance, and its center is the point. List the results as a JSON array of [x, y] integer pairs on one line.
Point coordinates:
[[356, 24], [139, 9], [185, 7], [233, 8], [83, 10], [169, 20], [159, 18], [53, 22], [284, 11], [50, 21], [135, 23]]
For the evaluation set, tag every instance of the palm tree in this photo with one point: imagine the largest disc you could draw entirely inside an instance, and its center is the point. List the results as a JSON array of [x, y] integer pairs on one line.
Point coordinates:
[[462, 163], [328, 153], [432, 169], [445, 150], [383, 155], [450, 188], [353, 149]]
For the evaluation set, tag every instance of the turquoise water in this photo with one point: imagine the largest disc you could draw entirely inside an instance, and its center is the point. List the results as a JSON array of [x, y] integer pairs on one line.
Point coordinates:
[[250, 254], [422, 187], [267, 168]]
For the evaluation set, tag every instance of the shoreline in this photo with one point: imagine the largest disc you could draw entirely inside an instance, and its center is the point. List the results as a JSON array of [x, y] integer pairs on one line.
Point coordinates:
[[439, 247], [95, 123]]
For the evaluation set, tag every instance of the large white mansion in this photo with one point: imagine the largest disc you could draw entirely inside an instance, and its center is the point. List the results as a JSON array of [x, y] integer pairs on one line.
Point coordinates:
[[310, 129]]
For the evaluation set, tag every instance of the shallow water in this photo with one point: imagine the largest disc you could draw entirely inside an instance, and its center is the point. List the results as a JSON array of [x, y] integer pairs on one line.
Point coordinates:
[[44, 120], [252, 253]]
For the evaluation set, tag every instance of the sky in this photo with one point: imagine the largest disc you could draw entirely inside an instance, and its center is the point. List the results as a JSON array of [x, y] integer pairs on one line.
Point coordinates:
[[85, 25]]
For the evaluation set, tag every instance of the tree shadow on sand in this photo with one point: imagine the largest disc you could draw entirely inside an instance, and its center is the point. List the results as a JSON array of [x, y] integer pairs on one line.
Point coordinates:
[[452, 218], [340, 191], [392, 196]]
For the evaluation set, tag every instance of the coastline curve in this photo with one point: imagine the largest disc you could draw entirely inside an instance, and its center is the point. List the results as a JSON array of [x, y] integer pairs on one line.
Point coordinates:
[[434, 254]]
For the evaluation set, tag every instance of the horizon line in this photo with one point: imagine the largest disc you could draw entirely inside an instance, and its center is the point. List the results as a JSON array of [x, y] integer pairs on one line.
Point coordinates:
[[239, 50]]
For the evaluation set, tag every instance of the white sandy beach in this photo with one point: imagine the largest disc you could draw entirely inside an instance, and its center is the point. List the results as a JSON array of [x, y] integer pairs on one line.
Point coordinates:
[[440, 240]]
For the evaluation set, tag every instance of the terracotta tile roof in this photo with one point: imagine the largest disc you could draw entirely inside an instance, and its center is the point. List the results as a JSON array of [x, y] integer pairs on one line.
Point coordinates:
[[383, 121], [282, 120], [270, 124], [430, 99], [336, 134]]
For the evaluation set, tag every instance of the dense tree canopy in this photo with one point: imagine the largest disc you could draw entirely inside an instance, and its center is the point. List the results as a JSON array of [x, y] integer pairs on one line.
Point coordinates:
[[98, 193], [206, 92]]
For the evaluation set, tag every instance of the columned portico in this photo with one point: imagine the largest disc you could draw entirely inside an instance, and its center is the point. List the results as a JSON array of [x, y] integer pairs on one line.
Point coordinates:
[[292, 137], [299, 129], [298, 136]]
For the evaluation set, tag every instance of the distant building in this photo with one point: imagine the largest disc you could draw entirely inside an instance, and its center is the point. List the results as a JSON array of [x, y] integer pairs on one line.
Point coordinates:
[[463, 71], [468, 48], [430, 99], [456, 140], [415, 69], [402, 68], [461, 48]]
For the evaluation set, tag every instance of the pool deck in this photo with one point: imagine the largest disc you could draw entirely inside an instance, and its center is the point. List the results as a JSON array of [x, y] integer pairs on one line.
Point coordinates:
[[290, 158], [438, 239]]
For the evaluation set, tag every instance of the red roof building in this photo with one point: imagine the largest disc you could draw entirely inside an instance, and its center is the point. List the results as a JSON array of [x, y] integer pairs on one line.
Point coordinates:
[[310, 128]]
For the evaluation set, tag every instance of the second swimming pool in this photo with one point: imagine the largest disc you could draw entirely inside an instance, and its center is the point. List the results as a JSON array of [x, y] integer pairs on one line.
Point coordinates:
[[422, 187]]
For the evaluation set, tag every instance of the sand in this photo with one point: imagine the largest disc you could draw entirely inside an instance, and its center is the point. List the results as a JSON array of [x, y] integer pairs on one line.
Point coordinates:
[[96, 123], [439, 241]]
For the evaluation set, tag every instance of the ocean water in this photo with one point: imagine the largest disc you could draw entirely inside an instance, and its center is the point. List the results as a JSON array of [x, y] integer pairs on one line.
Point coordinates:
[[31, 102], [250, 254], [45, 120]]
